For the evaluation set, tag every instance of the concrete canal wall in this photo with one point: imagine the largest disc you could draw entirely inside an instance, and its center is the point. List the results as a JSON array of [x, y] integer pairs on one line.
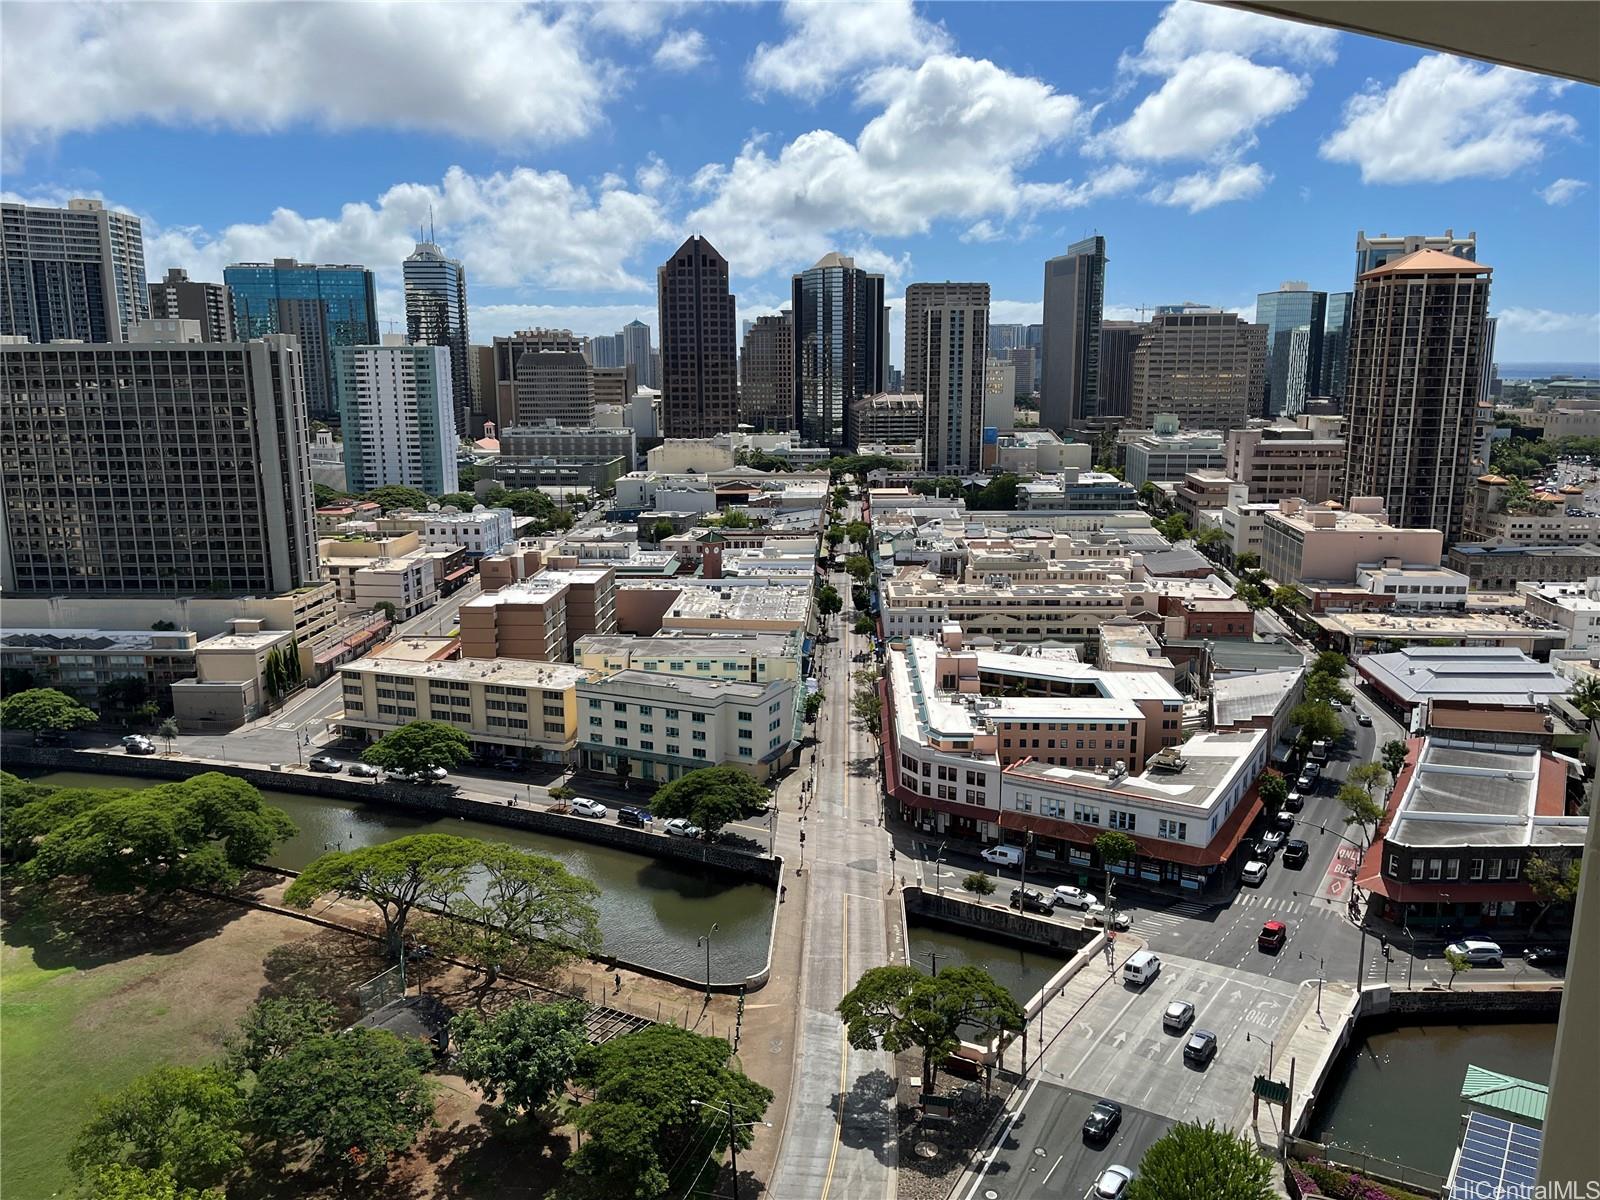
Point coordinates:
[[1004, 923]]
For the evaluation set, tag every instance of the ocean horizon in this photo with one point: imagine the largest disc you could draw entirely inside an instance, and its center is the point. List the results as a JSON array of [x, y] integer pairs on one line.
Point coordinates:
[[1547, 370]]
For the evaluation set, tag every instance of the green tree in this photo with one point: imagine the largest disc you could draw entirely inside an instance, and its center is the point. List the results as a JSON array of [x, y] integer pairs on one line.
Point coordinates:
[[350, 1099], [1150, 496], [859, 533], [654, 1094], [1552, 875], [1212, 538], [123, 694], [325, 496], [1360, 809], [834, 537], [168, 732], [1113, 846], [998, 495], [865, 625], [1330, 662], [1457, 962], [661, 530], [1321, 689], [393, 495], [395, 877], [1316, 721], [44, 710], [275, 1026], [814, 704], [1368, 775], [980, 883], [896, 1008], [201, 832], [522, 1055], [1394, 756], [186, 1119], [734, 518], [866, 705], [387, 608], [465, 501], [1274, 789], [1174, 528], [1195, 1162], [31, 810], [526, 912], [859, 567], [117, 1182], [1585, 696], [829, 601], [711, 797], [419, 746], [1290, 598]]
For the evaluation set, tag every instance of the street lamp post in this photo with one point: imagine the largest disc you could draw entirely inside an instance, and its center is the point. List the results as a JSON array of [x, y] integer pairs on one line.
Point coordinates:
[[733, 1137], [706, 941], [938, 870]]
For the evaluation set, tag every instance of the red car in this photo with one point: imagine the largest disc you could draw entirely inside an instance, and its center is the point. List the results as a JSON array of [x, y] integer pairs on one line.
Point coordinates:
[[1272, 937]]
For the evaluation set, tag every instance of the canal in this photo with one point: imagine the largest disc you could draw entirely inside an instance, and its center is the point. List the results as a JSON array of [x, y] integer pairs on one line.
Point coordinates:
[[651, 911], [1397, 1093], [1020, 972]]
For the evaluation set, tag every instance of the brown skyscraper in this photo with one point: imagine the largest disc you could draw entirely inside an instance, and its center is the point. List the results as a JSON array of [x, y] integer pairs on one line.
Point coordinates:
[[920, 297], [699, 372], [766, 374], [1416, 348], [1201, 365]]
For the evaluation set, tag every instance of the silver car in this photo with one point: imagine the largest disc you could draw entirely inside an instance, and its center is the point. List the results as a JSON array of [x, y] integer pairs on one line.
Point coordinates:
[[1112, 1184]]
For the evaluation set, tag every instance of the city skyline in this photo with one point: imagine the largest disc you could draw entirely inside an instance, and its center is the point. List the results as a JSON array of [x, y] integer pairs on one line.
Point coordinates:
[[1306, 130]]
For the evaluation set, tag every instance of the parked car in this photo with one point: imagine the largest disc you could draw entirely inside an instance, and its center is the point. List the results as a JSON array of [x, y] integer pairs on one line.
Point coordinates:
[[1307, 781], [1478, 953], [141, 746], [1283, 820], [637, 817], [1003, 856], [324, 763], [1031, 900], [1070, 897], [1336, 705], [50, 737], [132, 739], [1272, 936], [1112, 1184], [425, 775], [1102, 1121], [1295, 852], [1363, 719], [588, 808], [681, 827], [1254, 872], [364, 770], [1295, 801], [1097, 914], [1201, 1048], [1270, 842], [1546, 956], [1178, 1016]]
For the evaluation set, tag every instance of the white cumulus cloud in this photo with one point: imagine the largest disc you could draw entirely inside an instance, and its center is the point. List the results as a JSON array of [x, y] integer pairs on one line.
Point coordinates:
[[832, 41], [951, 142], [1186, 29], [1206, 189], [1445, 119], [1537, 321], [683, 50], [1212, 102], [502, 73], [1562, 191]]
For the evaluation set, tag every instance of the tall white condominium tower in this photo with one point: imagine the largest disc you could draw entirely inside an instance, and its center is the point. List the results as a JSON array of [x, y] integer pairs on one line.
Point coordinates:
[[436, 315], [75, 272], [396, 409], [956, 348]]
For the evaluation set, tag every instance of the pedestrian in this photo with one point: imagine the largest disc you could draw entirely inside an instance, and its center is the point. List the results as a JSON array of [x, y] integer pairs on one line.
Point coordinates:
[[617, 986], [891, 854], [783, 892]]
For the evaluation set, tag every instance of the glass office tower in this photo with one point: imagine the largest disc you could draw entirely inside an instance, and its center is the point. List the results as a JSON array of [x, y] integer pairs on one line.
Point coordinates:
[[436, 315], [1292, 374]]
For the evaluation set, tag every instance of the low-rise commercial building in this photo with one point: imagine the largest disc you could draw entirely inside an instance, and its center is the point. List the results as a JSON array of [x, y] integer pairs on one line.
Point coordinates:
[[1410, 678], [1036, 452], [1503, 567], [479, 532], [1284, 460], [230, 682], [751, 657], [1464, 821], [508, 708], [1355, 633], [1574, 607], [1302, 542], [1413, 588], [587, 445], [651, 727], [1540, 520], [1166, 454], [1077, 491], [135, 664], [539, 618], [888, 417], [1206, 491]]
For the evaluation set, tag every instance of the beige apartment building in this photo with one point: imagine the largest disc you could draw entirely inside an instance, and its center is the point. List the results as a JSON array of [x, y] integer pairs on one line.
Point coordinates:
[[1203, 366], [920, 604], [1303, 543], [395, 569], [541, 617], [751, 657], [229, 684], [525, 710], [1303, 458], [1541, 521]]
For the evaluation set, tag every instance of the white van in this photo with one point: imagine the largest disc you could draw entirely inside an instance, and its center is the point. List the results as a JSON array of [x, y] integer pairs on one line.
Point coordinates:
[[1003, 856], [1141, 968]]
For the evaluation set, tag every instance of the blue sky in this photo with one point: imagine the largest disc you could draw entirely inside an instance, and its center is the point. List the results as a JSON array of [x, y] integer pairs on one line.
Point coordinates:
[[567, 149]]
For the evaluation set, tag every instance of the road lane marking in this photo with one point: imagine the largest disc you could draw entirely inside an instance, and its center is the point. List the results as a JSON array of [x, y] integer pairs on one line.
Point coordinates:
[[844, 1056], [1000, 1138]]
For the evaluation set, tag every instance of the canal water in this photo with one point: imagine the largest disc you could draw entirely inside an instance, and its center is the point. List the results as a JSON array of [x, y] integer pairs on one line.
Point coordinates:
[[651, 911], [1397, 1092], [1021, 972]]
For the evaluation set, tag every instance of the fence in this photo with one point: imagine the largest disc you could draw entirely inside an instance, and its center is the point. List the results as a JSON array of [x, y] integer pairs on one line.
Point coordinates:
[[1370, 1165]]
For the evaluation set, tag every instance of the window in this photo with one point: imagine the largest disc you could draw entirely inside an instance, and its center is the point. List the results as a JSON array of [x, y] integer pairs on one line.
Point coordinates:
[[746, 752], [1416, 869], [1452, 868], [698, 735], [1178, 831], [594, 704], [1494, 868], [672, 731], [1124, 820], [596, 722], [1435, 868], [745, 734], [672, 714], [699, 753], [1476, 871], [1085, 815], [743, 716], [698, 718], [1394, 866], [1513, 868]]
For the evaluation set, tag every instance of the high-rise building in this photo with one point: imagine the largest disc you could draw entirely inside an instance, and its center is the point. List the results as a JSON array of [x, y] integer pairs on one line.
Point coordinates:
[[614, 386], [638, 354], [179, 298], [1293, 314], [75, 272], [999, 394], [481, 362], [1373, 252], [841, 346], [609, 350], [1118, 341], [1203, 366], [956, 345], [1025, 362], [323, 306], [436, 315], [1336, 346], [1004, 338], [920, 298], [699, 358], [766, 374], [508, 351], [553, 387], [210, 496], [1074, 298], [1417, 341], [397, 414]]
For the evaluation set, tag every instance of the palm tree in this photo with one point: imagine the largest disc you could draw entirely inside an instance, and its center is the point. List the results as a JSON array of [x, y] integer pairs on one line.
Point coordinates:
[[1585, 696]]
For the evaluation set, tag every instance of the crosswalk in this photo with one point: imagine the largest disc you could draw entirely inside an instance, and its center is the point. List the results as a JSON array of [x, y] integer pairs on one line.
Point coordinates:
[[1178, 916]]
